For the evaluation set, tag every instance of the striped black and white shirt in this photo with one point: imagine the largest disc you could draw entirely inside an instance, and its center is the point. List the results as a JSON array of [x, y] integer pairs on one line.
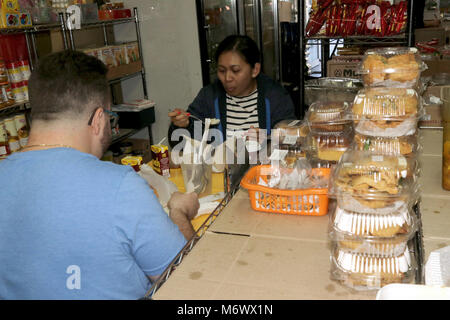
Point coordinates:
[[242, 112]]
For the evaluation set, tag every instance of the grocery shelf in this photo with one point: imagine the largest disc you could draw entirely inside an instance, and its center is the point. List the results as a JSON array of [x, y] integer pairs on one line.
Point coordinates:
[[20, 106], [360, 40], [123, 134]]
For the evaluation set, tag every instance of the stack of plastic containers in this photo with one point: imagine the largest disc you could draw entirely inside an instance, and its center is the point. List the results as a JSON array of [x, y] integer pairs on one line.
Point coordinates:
[[375, 181]]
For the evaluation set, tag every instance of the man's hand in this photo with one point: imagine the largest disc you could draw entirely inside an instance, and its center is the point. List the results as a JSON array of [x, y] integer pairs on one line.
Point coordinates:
[[179, 118], [183, 208]]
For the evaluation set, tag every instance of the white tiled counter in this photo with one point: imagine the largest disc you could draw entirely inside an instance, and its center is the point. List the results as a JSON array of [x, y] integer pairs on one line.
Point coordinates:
[[247, 254]]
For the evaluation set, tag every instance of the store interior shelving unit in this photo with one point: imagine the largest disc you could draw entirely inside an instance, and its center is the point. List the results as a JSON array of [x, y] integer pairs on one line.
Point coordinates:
[[325, 43], [115, 75]]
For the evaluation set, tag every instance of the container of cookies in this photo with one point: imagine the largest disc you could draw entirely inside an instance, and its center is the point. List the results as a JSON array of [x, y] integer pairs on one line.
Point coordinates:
[[386, 112], [329, 146], [381, 234], [368, 182], [362, 271], [328, 116], [407, 146], [392, 67]]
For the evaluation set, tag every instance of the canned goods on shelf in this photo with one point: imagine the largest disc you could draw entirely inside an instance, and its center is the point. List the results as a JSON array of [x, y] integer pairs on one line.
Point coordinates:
[[24, 67], [3, 72], [17, 92], [22, 129], [13, 137], [6, 95], [14, 72], [4, 146]]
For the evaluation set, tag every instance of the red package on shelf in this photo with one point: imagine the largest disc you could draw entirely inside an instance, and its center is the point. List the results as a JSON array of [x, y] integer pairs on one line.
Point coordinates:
[[114, 14]]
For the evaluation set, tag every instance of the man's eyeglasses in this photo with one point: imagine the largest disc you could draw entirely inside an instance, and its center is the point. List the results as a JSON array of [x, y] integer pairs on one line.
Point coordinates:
[[113, 117]]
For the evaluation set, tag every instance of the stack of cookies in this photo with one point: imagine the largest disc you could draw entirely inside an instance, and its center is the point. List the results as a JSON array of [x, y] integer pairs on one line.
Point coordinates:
[[375, 181]]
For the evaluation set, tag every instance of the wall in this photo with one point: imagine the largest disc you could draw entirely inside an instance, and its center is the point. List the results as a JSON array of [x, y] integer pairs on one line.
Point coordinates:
[[171, 57]]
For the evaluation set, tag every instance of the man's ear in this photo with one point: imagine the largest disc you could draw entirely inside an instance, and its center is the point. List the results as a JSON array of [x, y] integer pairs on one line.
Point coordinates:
[[256, 70], [97, 123]]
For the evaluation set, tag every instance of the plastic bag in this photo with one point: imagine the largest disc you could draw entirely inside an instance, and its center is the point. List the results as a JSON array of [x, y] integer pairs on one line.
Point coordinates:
[[163, 186]]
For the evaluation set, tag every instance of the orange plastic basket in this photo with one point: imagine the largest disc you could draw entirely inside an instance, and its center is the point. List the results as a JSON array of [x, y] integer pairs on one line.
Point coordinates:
[[308, 202]]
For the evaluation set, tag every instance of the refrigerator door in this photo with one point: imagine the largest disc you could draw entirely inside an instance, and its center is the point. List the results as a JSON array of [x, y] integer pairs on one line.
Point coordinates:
[[220, 18]]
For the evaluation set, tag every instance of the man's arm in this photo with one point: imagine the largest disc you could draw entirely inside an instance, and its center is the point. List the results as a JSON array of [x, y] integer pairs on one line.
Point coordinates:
[[183, 208]]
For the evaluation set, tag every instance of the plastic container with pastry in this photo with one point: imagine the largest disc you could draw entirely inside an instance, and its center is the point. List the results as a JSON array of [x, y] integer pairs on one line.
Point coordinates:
[[361, 271], [407, 146], [328, 116], [290, 133], [331, 89], [329, 146], [387, 112], [368, 182], [381, 234], [392, 67]]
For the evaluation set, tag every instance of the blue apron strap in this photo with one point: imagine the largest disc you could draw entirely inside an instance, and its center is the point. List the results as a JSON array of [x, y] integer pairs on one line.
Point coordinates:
[[268, 122], [217, 112]]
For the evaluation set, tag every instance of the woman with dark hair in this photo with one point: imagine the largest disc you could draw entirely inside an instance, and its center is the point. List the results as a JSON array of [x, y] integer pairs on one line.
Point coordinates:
[[242, 97]]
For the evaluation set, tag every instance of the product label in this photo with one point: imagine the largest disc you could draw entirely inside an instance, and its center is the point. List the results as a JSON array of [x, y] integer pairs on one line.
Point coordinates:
[[290, 140]]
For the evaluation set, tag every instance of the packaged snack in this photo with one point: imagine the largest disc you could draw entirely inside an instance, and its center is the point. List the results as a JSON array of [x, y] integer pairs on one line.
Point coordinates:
[[362, 271], [118, 55], [290, 133], [386, 111], [367, 182], [133, 52], [392, 67], [329, 146], [107, 56], [382, 234], [22, 129], [160, 156], [328, 116]]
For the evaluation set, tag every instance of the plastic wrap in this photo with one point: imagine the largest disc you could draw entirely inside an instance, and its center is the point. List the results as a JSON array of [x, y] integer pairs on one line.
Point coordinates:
[[290, 133], [407, 146], [392, 67]]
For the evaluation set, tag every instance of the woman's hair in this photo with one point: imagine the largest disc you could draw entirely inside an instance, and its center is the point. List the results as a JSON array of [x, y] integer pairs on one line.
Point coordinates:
[[243, 45]]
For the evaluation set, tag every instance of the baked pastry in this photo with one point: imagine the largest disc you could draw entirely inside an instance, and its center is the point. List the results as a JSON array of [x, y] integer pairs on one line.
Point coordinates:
[[375, 66], [330, 146], [391, 66], [365, 271], [364, 181], [405, 67]]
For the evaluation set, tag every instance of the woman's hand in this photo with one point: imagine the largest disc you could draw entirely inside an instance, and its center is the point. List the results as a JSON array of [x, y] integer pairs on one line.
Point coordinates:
[[179, 118]]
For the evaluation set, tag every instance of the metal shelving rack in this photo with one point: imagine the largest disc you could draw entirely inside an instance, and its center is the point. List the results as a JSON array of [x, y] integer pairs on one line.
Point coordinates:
[[405, 39], [69, 43]]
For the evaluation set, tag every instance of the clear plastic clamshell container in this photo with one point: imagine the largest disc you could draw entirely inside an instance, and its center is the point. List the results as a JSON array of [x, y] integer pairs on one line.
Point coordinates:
[[386, 112], [329, 146], [330, 89], [328, 116], [407, 146], [392, 67], [381, 234], [290, 133], [368, 182], [361, 271]]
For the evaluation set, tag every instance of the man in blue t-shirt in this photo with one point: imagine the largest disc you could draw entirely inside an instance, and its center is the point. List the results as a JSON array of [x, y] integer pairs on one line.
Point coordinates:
[[72, 226]]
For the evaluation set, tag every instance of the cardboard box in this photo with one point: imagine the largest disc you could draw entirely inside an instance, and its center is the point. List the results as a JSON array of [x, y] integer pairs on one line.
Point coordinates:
[[432, 117], [124, 70], [436, 66], [427, 34], [342, 68]]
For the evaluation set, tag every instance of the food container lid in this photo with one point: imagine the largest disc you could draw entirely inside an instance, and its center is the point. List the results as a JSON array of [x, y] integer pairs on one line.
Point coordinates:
[[374, 176], [371, 271], [390, 60], [381, 233], [408, 146], [326, 114], [290, 132], [381, 103]]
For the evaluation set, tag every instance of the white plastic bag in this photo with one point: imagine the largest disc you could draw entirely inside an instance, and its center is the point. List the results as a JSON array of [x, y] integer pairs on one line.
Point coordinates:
[[163, 186]]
